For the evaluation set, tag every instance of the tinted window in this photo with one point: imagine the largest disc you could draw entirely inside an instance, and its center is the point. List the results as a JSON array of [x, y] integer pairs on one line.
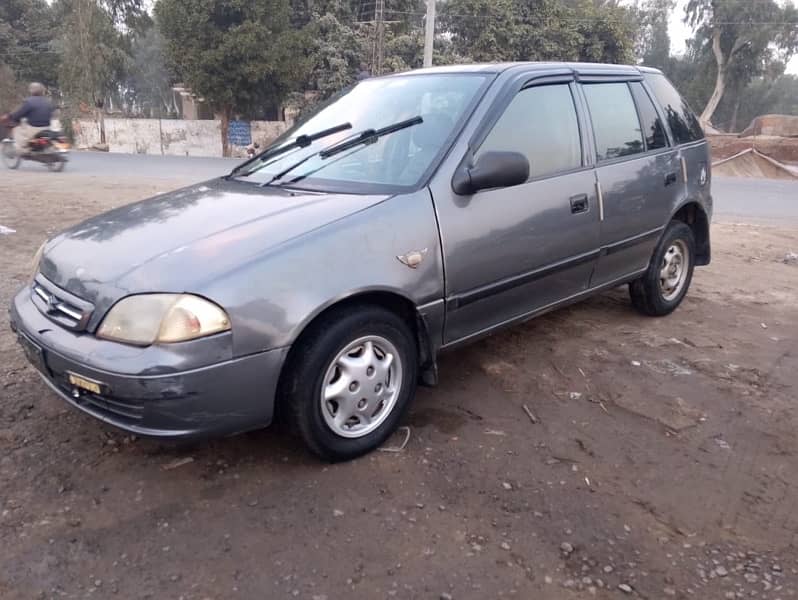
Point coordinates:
[[682, 121], [615, 123], [653, 131], [541, 124]]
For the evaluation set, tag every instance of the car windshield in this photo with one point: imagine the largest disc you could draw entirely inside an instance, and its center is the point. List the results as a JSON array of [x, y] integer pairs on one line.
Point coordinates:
[[396, 160]]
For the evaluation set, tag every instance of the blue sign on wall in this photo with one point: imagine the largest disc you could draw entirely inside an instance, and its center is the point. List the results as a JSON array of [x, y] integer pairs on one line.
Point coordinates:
[[239, 133]]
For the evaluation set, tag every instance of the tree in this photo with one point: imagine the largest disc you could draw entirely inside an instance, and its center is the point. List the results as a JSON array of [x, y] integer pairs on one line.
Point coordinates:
[[509, 30], [654, 43], [767, 95], [93, 59], [744, 37], [27, 32], [11, 90], [337, 54], [237, 54]]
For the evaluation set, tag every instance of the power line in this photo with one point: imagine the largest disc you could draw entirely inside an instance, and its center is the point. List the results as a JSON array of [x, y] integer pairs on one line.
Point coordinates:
[[583, 19]]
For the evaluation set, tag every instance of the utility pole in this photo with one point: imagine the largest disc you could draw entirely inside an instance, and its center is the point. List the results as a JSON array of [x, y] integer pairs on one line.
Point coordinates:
[[429, 38], [378, 49]]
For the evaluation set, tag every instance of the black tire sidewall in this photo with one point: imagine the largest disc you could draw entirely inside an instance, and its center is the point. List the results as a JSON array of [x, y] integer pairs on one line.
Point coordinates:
[[314, 357], [675, 231]]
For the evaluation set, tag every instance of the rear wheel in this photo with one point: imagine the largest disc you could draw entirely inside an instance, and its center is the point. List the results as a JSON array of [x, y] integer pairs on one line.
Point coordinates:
[[349, 381], [9, 153], [56, 166], [664, 285]]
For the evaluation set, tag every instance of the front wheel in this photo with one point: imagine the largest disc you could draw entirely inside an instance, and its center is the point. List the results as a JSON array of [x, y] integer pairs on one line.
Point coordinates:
[[9, 153], [664, 285], [349, 381]]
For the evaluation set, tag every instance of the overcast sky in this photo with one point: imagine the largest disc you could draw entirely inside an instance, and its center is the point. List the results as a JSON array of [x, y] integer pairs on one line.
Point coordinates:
[[680, 32]]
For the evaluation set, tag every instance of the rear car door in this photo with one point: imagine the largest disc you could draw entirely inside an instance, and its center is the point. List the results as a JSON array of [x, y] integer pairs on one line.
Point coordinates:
[[687, 135], [511, 251], [638, 176]]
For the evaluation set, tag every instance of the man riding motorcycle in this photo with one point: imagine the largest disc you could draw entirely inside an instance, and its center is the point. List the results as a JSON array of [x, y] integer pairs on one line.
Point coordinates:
[[38, 110]]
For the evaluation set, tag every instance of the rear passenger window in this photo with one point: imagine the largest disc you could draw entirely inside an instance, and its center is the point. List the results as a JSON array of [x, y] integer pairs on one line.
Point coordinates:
[[653, 131], [614, 116], [682, 121], [541, 124]]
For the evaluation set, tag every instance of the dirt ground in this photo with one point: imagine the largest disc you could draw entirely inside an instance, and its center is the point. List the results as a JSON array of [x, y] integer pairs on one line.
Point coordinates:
[[663, 463]]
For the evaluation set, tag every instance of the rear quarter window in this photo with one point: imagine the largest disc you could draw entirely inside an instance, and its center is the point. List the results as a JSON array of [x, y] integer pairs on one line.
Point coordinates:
[[683, 123]]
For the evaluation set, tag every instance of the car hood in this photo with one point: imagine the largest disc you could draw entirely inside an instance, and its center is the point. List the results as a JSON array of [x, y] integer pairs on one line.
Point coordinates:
[[175, 241]]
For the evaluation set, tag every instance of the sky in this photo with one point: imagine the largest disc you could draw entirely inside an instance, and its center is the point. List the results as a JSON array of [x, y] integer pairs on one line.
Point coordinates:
[[680, 32]]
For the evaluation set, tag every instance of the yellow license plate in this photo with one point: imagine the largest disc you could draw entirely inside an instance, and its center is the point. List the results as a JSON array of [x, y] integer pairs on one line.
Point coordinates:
[[83, 383]]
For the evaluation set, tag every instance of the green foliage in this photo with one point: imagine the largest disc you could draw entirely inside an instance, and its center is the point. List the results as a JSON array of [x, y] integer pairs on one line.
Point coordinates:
[[509, 30], [237, 54], [27, 29], [11, 90], [654, 43], [337, 53], [746, 39]]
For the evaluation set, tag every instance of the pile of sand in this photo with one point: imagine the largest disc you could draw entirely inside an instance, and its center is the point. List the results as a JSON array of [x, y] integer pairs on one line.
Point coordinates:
[[775, 125], [752, 163]]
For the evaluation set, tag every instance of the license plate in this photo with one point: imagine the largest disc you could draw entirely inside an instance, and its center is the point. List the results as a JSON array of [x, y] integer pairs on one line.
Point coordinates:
[[34, 352], [84, 383]]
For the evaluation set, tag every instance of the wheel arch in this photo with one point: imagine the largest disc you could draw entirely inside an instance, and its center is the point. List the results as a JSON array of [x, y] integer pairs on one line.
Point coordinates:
[[694, 216], [388, 299]]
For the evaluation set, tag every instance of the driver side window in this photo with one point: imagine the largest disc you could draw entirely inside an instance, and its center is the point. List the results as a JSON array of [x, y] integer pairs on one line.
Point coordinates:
[[541, 124]]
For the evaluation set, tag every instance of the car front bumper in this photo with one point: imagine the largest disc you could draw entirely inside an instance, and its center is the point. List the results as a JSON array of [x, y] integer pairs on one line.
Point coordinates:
[[223, 398]]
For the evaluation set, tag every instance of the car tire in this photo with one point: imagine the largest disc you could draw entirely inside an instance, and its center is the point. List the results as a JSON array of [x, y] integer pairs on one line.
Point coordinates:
[[350, 380], [56, 166], [663, 286]]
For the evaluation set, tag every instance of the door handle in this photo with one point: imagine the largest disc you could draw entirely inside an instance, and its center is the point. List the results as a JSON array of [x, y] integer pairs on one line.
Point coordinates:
[[579, 203], [670, 178]]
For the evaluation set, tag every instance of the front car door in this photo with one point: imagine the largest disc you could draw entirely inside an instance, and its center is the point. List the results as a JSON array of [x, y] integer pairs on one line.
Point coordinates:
[[510, 252], [638, 174]]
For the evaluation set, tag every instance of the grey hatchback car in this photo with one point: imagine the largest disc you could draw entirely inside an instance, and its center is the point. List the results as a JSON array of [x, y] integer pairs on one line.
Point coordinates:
[[407, 215]]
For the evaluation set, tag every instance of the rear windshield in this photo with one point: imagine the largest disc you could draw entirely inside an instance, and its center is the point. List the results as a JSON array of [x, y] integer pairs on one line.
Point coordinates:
[[682, 121]]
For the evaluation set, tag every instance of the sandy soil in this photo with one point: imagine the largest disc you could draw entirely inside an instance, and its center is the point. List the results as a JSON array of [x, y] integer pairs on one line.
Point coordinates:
[[663, 463]]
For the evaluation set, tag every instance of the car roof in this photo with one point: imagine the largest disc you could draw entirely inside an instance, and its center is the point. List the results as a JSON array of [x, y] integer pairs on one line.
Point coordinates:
[[576, 67]]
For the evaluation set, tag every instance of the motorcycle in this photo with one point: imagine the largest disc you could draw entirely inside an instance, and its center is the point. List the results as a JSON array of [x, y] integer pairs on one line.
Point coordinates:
[[48, 147]]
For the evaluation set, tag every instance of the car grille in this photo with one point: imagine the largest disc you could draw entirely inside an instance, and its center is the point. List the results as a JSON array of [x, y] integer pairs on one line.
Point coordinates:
[[59, 305], [128, 411]]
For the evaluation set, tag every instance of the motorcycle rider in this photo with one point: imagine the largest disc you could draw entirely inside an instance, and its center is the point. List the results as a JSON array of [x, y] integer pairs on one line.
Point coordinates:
[[38, 110]]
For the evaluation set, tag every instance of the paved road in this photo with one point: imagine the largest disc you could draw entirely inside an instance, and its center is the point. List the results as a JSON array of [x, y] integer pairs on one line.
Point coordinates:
[[759, 199], [159, 167], [735, 198]]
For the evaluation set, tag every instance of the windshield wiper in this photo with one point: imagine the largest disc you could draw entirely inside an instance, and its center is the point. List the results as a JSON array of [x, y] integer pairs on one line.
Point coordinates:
[[367, 136], [302, 141]]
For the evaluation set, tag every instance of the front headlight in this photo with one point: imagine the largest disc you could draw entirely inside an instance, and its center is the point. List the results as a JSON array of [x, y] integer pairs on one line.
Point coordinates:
[[150, 318], [37, 258]]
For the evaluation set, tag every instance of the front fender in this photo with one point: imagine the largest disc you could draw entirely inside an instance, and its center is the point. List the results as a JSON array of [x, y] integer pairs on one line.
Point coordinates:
[[271, 299]]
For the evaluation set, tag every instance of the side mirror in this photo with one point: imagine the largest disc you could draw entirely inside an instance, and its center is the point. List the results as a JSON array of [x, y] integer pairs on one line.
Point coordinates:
[[492, 170]]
